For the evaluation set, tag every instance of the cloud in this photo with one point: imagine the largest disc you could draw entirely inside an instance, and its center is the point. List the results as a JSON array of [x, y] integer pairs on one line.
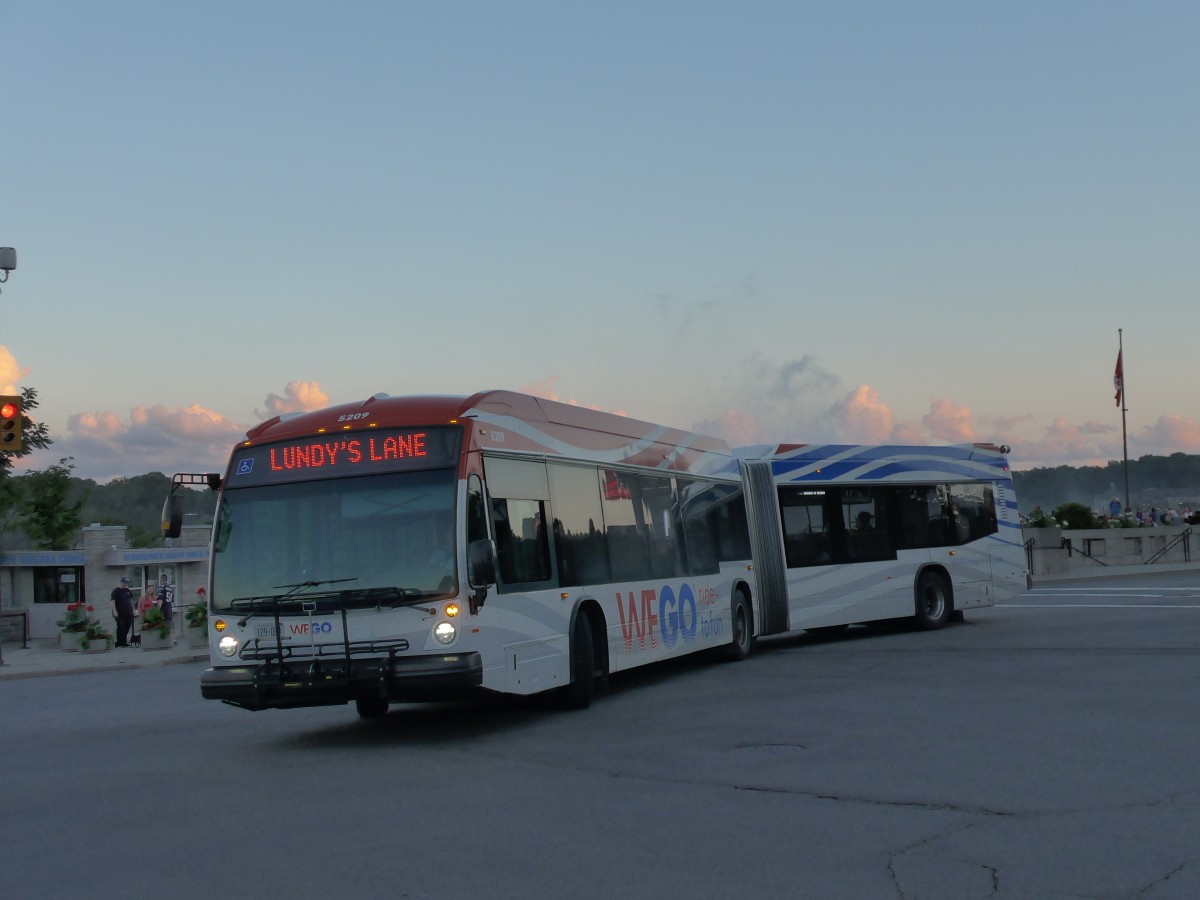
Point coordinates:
[[152, 439], [949, 422], [159, 438], [736, 427], [1173, 433], [863, 418], [10, 372], [299, 396]]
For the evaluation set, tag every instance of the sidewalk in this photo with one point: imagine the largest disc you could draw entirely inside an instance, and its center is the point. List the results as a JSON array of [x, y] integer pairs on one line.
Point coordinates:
[[45, 658]]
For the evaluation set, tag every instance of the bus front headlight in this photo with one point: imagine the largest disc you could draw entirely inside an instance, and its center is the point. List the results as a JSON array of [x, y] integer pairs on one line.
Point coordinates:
[[445, 632], [228, 645]]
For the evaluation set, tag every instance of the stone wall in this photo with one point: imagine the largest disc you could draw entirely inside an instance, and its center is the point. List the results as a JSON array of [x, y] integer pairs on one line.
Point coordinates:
[[1058, 553]]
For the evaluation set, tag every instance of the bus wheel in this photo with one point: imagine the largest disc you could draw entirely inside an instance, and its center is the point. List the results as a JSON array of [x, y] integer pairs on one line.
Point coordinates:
[[742, 619], [933, 601], [371, 707], [578, 694]]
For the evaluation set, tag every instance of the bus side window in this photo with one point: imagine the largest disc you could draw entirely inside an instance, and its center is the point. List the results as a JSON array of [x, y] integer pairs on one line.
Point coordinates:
[[522, 548], [805, 533]]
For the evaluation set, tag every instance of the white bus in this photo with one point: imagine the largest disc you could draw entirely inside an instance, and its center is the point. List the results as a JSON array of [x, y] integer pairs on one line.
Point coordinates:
[[417, 548], [412, 548], [844, 534]]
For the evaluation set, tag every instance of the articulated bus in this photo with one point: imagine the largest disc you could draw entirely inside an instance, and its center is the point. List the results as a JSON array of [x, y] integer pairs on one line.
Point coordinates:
[[418, 548]]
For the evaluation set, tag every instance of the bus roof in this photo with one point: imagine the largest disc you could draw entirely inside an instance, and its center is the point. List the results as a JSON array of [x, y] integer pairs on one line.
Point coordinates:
[[879, 462], [531, 425]]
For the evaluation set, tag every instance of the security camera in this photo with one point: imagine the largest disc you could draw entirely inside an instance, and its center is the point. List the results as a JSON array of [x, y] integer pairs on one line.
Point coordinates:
[[8, 259]]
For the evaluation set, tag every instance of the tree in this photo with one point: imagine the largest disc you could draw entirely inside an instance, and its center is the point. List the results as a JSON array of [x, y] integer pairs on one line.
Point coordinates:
[[46, 517], [36, 437]]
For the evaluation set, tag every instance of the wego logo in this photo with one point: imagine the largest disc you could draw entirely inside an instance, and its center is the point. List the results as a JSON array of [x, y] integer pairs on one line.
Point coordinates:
[[664, 617]]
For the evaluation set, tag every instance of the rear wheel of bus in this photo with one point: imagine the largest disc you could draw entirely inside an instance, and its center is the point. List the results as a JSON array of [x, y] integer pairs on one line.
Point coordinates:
[[742, 625], [934, 603]]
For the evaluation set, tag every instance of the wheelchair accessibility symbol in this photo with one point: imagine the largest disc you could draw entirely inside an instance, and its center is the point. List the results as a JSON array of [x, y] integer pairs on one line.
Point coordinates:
[[245, 467]]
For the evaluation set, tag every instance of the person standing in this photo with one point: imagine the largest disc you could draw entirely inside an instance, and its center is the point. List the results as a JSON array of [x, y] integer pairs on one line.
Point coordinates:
[[149, 600], [166, 597], [122, 610]]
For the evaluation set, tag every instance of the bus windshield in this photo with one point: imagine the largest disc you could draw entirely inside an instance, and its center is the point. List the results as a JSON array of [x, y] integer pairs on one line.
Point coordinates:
[[366, 538]]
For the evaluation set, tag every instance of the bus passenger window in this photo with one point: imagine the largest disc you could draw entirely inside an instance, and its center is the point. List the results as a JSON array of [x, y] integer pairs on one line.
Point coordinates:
[[522, 549]]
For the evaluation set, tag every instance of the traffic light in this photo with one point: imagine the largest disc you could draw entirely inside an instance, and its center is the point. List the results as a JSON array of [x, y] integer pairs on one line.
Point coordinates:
[[10, 423]]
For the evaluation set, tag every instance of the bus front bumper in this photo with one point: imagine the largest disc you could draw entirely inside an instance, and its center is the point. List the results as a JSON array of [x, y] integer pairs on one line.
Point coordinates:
[[331, 681]]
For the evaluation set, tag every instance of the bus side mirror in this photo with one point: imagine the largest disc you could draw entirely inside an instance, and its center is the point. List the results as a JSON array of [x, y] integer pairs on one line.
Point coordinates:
[[172, 516], [481, 571]]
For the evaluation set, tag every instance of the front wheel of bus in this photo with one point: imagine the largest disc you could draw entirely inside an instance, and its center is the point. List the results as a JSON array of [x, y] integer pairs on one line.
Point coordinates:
[[371, 707], [578, 694], [742, 644], [934, 606]]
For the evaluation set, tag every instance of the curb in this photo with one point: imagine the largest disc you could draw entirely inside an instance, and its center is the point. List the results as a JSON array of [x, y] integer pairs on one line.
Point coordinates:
[[24, 673]]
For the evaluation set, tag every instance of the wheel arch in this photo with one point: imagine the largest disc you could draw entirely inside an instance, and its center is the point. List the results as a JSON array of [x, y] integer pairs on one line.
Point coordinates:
[[591, 608], [743, 586], [943, 573]]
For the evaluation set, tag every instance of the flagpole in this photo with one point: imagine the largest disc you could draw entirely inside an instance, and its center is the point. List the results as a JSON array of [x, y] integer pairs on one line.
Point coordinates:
[[1124, 409]]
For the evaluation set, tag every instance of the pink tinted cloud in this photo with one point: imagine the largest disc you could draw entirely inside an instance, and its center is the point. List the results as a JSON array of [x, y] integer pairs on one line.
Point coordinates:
[[298, 396], [10, 372], [1173, 434], [948, 422], [158, 438], [863, 418]]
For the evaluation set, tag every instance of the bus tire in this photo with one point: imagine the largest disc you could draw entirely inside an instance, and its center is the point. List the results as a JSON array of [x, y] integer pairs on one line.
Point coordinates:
[[742, 625], [371, 707], [934, 606], [578, 694]]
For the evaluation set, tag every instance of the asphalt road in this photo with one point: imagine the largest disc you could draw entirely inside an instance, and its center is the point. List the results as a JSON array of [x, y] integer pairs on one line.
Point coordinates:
[[1044, 749]]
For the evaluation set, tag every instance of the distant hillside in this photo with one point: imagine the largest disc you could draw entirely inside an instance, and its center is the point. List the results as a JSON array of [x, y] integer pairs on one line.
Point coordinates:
[[137, 503], [1161, 481]]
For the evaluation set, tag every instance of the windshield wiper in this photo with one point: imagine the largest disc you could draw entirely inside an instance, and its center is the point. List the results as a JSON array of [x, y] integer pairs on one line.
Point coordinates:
[[268, 601], [391, 596], [308, 584]]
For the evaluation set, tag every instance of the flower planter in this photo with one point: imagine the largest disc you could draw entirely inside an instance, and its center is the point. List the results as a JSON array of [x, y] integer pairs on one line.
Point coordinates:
[[101, 646], [69, 640], [154, 640], [197, 637]]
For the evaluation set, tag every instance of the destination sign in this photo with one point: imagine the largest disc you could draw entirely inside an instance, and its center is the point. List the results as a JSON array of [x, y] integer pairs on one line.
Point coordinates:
[[349, 453]]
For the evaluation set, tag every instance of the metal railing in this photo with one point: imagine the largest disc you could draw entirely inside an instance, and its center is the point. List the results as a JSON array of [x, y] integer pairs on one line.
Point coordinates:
[[1184, 537]]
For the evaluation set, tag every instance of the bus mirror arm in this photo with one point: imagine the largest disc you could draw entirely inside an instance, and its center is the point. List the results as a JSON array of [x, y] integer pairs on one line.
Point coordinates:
[[481, 561]]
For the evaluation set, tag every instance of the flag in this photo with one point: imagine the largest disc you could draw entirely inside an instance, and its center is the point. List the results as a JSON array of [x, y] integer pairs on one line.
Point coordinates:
[[1119, 377]]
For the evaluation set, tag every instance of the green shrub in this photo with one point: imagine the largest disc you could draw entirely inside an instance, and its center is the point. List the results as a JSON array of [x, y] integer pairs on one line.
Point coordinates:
[[1075, 515]]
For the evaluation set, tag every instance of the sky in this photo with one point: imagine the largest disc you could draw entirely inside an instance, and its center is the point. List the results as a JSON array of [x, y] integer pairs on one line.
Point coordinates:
[[863, 222]]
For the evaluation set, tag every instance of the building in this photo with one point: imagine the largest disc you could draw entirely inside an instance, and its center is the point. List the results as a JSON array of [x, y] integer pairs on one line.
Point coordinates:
[[37, 585]]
